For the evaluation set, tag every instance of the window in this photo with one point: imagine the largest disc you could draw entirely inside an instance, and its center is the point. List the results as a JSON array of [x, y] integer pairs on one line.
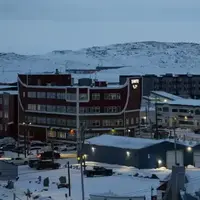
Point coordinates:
[[174, 110], [41, 95], [41, 120], [5, 114], [70, 96], [186, 122], [51, 95], [112, 96], [95, 96], [183, 110], [71, 109], [94, 109], [41, 107], [61, 95], [1, 127], [61, 122], [31, 94], [83, 96], [51, 108], [32, 107], [113, 123], [94, 123], [83, 109], [197, 112], [61, 134], [1, 114], [165, 109], [51, 121], [0, 100], [132, 120], [32, 119], [61, 109], [71, 122], [127, 121], [24, 94], [6, 100], [112, 109], [51, 133]]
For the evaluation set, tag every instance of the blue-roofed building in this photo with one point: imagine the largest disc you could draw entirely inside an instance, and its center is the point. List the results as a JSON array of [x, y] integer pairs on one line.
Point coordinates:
[[137, 152]]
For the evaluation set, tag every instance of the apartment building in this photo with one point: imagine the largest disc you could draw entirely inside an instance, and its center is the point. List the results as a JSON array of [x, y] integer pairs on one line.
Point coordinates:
[[8, 113], [48, 107], [184, 85], [183, 113]]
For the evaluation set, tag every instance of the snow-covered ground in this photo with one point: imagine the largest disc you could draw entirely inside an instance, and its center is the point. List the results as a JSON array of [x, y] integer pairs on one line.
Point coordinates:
[[135, 58], [123, 182]]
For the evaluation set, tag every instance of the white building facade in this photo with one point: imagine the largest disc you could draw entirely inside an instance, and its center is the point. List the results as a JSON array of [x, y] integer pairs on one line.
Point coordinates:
[[183, 113]]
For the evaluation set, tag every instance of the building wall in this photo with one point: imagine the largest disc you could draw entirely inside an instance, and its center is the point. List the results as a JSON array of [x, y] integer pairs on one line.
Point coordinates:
[[146, 158], [185, 85], [149, 156], [110, 101], [8, 114], [187, 116], [111, 155]]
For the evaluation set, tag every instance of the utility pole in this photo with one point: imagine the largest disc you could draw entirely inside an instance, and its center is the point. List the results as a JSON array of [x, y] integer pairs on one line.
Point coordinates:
[[69, 178], [79, 142], [52, 148], [175, 140], [156, 113]]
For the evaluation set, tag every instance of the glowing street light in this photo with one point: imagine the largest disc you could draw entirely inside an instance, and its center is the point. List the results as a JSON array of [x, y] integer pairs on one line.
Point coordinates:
[[159, 162], [189, 149], [128, 153]]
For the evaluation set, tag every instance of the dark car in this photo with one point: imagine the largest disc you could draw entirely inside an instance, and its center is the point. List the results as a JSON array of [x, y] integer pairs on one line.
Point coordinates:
[[1, 153], [32, 162], [8, 147], [98, 171], [47, 155], [46, 164]]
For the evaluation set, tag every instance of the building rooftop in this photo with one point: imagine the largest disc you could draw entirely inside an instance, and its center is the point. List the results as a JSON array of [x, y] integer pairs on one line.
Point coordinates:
[[122, 142], [12, 92], [6, 87], [184, 102], [166, 95]]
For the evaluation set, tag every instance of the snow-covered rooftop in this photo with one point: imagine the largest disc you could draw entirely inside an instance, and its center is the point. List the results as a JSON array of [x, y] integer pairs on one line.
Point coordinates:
[[184, 102], [12, 92], [122, 142], [166, 95]]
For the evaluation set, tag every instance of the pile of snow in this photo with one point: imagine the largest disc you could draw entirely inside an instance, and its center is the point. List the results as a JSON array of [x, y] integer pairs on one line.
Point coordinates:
[[190, 167]]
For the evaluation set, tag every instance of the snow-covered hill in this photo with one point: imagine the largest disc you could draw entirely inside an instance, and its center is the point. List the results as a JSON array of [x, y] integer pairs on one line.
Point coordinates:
[[136, 58]]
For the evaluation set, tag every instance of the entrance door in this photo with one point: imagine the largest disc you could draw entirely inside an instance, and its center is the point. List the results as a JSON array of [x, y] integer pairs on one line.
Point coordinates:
[[171, 158], [197, 158]]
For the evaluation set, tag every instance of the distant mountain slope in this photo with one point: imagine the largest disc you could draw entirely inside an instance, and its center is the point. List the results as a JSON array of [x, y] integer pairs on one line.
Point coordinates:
[[137, 58]]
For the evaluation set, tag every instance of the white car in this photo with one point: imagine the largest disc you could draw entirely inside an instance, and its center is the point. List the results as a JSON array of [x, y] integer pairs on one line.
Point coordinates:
[[18, 161]]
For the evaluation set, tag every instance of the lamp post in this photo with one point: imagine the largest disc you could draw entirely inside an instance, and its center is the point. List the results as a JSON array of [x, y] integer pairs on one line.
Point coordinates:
[[174, 123], [26, 135]]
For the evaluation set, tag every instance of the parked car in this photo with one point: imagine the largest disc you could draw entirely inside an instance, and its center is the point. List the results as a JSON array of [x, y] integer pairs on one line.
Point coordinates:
[[18, 161], [32, 162], [47, 155], [46, 164], [1, 153], [8, 147], [98, 171]]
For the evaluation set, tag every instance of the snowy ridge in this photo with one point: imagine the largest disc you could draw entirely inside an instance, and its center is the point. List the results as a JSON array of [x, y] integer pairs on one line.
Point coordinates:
[[136, 58]]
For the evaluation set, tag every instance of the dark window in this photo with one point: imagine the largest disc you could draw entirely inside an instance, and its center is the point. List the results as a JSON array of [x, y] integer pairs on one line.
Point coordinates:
[[197, 112], [165, 109], [183, 110], [174, 110], [186, 122]]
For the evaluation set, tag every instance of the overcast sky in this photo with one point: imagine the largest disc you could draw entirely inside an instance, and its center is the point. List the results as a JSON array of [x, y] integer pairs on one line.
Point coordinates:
[[40, 26]]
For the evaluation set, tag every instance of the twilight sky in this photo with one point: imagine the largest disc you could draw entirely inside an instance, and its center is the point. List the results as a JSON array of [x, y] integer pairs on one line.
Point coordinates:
[[40, 26]]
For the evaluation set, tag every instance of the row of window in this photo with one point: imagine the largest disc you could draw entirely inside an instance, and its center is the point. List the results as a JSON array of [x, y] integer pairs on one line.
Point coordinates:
[[89, 123], [4, 100], [167, 109], [72, 96], [72, 109], [5, 115]]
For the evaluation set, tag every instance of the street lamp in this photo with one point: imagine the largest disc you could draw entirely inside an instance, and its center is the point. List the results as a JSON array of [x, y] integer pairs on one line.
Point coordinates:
[[25, 137], [189, 149]]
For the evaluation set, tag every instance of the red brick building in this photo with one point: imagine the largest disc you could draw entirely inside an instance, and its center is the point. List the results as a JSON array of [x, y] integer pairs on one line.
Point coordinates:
[[47, 106], [8, 113]]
